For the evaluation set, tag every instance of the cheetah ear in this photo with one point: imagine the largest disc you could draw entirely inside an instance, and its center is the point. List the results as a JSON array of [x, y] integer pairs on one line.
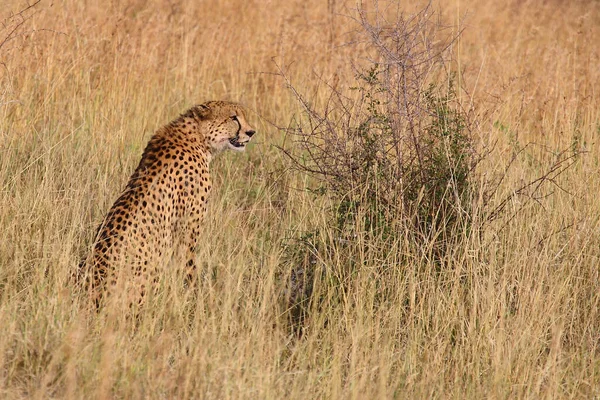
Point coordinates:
[[203, 112]]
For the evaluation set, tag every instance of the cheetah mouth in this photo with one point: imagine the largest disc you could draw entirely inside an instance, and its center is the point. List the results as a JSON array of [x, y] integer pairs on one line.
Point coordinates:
[[236, 143]]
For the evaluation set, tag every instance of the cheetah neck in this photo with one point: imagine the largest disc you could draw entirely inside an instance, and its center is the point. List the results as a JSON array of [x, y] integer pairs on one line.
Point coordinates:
[[188, 130]]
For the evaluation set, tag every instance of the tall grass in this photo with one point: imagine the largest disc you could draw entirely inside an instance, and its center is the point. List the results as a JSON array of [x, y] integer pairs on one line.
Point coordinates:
[[512, 313]]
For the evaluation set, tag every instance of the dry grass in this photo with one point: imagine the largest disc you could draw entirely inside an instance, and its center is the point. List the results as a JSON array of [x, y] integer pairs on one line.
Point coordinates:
[[514, 315]]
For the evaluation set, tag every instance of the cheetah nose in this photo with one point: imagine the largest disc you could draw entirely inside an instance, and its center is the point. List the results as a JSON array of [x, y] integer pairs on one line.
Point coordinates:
[[250, 133]]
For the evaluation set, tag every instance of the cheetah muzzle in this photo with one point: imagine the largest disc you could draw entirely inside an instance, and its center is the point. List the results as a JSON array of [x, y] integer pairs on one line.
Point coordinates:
[[236, 142]]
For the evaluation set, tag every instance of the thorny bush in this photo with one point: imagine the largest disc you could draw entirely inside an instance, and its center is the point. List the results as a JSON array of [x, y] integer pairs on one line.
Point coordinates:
[[396, 154]]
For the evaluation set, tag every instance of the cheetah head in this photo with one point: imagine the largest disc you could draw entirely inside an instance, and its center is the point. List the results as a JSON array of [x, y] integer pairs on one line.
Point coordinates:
[[225, 125]]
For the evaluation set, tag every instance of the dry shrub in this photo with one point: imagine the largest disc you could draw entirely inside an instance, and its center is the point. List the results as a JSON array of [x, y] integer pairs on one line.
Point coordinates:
[[397, 155]]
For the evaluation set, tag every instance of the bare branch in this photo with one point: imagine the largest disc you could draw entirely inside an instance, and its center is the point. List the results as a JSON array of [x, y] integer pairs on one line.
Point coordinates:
[[14, 23]]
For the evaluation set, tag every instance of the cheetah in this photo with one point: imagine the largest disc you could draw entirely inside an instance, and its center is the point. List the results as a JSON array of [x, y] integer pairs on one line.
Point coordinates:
[[158, 216]]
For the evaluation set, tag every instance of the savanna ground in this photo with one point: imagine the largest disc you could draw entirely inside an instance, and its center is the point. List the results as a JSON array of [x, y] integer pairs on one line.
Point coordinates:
[[513, 313]]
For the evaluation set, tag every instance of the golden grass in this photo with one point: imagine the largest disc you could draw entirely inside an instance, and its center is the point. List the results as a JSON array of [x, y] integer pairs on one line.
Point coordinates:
[[87, 85]]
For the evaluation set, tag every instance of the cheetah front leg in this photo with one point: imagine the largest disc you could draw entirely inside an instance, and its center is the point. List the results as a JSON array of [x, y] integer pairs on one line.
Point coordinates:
[[190, 247]]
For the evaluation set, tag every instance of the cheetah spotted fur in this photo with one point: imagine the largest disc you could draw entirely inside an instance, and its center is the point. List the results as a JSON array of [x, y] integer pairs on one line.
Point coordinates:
[[158, 216]]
